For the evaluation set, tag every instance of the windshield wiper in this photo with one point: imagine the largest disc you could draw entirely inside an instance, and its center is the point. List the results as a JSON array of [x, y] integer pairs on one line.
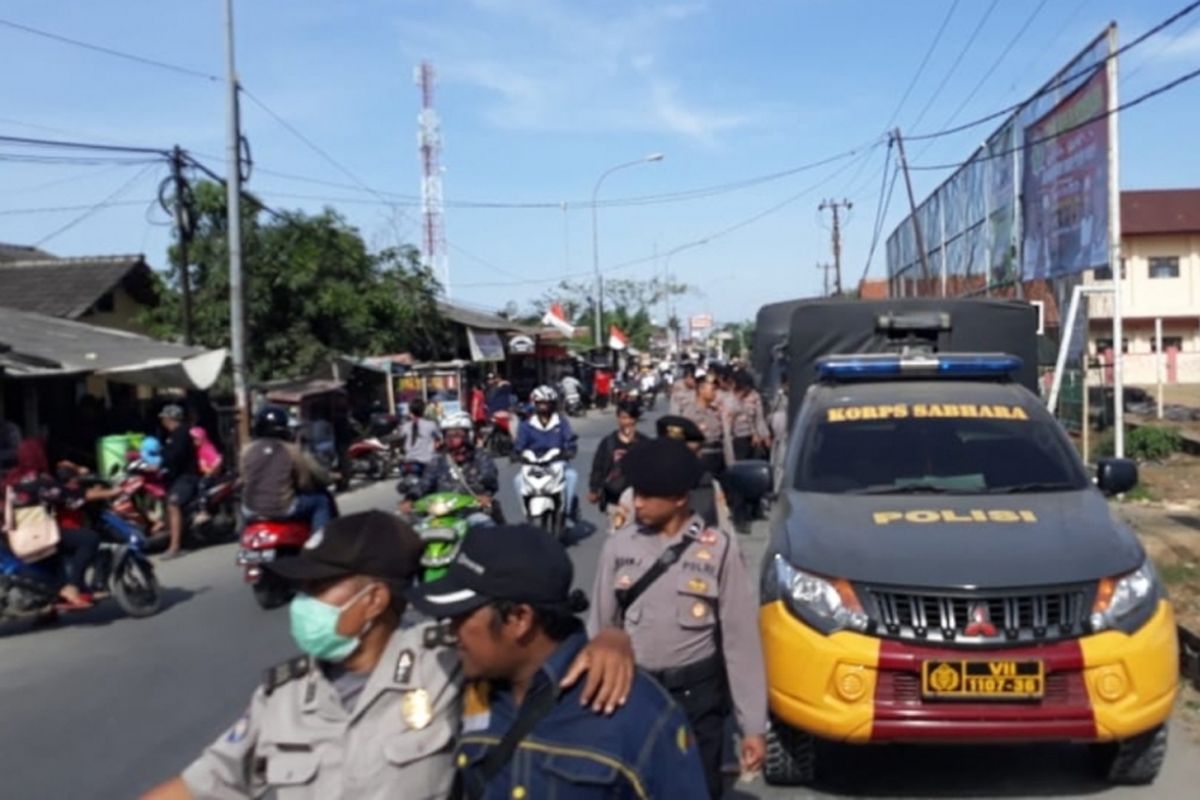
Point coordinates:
[[1043, 486], [908, 488]]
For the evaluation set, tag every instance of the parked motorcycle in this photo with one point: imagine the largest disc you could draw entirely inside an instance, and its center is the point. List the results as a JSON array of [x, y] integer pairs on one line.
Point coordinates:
[[543, 490], [120, 568], [497, 434], [443, 519], [211, 517], [369, 457]]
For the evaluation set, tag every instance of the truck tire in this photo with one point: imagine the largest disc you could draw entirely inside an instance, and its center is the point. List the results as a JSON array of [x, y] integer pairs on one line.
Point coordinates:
[[1135, 761], [791, 756]]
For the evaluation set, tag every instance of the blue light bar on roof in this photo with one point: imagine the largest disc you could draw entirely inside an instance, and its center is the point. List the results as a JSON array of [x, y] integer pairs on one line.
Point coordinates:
[[890, 365]]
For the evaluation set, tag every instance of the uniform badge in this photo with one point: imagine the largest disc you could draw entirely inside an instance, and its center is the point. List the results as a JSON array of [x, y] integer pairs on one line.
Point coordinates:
[[416, 709], [239, 730], [697, 584], [404, 667], [624, 582], [699, 610], [619, 517], [683, 739], [704, 555]]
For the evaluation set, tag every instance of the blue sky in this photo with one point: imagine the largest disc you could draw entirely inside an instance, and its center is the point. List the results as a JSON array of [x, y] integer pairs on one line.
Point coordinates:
[[538, 97]]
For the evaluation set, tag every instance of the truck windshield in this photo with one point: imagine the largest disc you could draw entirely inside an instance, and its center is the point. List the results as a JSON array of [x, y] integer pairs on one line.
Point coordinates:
[[925, 445]]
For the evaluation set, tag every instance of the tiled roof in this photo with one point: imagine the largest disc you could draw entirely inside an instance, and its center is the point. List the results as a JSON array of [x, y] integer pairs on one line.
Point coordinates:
[[68, 287], [1158, 211], [21, 252]]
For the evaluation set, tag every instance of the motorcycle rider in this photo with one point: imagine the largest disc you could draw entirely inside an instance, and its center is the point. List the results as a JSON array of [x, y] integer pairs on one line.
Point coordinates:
[[572, 388], [461, 467], [548, 430], [281, 481]]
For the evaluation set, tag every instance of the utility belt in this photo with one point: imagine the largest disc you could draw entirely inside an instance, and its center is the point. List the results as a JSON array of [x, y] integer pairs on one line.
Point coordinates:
[[675, 679]]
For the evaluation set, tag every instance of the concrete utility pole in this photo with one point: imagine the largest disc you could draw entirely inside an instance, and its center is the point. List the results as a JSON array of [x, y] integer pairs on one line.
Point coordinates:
[[835, 207], [824, 268], [233, 202], [912, 204], [183, 225]]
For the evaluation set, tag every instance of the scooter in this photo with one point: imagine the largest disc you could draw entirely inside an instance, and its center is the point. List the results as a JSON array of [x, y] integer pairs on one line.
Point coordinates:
[[411, 473], [573, 404], [369, 457], [497, 434], [543, 490], [120, 568], [264, 540], [443, 519], [211, 516]]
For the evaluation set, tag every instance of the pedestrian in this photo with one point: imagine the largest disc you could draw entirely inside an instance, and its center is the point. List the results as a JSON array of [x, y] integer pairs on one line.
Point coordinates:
[[513, 614], [607, 483], [680, 589], [748, 423], [372, 708], [713, 419], [179, 463]]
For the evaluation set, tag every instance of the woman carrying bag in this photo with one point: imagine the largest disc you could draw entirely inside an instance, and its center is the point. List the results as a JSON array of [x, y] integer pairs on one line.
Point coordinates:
[[30, 493]]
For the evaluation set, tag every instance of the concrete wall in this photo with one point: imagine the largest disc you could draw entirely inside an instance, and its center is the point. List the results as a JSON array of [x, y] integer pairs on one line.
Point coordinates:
[[123, 317]]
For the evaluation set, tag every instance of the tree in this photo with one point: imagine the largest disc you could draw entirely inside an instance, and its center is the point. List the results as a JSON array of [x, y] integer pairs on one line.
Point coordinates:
[[627, 304], [311, 290]]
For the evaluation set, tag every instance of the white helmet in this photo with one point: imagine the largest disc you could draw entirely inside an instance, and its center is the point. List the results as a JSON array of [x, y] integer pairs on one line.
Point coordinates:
[[458, 421], [544, 394]]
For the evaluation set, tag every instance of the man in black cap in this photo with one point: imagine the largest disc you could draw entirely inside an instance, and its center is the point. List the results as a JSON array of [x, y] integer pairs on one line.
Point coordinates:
[[513, 614], [708, 498], [372, 708], [679, 588]]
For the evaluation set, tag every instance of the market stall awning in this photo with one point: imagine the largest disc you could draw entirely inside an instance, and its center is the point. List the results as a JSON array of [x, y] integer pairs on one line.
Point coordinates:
[[43, 346]]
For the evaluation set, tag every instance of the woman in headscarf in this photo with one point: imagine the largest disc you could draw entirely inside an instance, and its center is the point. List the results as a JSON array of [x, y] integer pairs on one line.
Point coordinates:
[[32, 483]]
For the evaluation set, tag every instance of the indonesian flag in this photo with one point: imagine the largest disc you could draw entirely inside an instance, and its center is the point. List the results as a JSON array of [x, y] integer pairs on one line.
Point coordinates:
[[617, 340], [556, 318]]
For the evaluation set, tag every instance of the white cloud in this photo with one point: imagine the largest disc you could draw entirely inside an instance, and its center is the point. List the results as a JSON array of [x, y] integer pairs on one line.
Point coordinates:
[[551, 66]]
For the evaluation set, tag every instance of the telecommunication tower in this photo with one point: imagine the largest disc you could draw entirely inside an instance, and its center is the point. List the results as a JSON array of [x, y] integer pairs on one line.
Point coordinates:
[[429, 143]]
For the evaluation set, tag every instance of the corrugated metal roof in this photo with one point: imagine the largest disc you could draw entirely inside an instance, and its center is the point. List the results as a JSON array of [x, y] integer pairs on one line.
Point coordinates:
[[473, 318], [68, 287], [1159, 211]]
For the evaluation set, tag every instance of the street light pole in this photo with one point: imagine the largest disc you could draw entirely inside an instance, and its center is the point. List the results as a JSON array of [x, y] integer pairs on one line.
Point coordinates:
[[233, 202], [598, 301]]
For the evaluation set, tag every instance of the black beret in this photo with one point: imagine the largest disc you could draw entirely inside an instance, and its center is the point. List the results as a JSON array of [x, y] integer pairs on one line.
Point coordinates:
[[661, 468], [676, 427]]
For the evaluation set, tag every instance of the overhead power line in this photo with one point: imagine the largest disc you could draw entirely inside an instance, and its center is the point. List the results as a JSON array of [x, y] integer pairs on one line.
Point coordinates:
[[957, 60], [924, 62], [107, 202], [12, 212], [108, 51], [1164, 88], [1058, 83]]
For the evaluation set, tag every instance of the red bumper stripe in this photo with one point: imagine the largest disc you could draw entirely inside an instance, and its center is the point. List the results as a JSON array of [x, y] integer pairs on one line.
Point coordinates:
[[1065, 713]]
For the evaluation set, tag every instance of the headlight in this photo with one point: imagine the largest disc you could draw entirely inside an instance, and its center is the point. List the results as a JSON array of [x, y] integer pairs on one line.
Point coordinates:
[[1127, 601], [824, 603]]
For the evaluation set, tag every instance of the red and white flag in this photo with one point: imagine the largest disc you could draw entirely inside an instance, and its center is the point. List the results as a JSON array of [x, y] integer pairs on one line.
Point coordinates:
[[556, 318], [617, 340]]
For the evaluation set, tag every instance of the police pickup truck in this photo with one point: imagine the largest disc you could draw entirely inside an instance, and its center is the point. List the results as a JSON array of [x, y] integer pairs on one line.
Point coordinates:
[[942, 567]]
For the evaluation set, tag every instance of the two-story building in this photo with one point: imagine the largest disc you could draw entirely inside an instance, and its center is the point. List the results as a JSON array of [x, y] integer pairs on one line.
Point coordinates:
[[1160, 280]]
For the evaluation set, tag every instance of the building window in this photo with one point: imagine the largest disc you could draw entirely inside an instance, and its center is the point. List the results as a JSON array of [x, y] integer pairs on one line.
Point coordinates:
[[1164, 267], [1169, 342], [1105, 345], [105, 305], [1105, 273]]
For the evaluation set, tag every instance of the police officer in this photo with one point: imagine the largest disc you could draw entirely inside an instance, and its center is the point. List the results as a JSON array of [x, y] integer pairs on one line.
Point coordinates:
[[372, 708], [713, 419], [513, 613], [683, 390], [708, 498], [680, 589]]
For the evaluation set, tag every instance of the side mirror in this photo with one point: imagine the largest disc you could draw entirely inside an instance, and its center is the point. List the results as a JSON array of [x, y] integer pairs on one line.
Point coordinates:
[[749, 479], [1116, 475]]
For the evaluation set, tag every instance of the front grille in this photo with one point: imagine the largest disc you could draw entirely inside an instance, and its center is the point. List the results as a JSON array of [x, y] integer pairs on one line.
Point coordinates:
[[978, 618]]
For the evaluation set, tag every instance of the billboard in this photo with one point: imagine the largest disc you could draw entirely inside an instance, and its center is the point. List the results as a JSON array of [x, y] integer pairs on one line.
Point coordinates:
[[700, 322], [1030, 203], [1066, 186]]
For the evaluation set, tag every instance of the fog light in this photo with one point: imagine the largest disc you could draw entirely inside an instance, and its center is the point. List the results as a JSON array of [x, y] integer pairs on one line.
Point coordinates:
[[850, 683], [1111, 684]]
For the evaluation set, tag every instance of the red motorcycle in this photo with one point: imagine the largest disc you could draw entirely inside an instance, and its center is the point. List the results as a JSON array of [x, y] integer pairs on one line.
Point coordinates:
[[263, 541], [369, 457], [497, 434]]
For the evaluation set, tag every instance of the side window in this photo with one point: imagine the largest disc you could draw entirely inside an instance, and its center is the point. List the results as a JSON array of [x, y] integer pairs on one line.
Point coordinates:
[[1164, 267]]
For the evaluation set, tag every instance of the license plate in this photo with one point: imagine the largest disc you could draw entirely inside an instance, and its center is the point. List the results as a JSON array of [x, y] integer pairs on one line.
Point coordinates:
[[1000, 679], [255, 556]]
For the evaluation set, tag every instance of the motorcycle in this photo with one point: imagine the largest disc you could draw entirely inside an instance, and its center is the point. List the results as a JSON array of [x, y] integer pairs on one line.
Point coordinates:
[[369, 457], [211, 516], [411, 473], [120, 568], [573, 404], [497, 434], [543, 490], [443, 519], [264, 540]]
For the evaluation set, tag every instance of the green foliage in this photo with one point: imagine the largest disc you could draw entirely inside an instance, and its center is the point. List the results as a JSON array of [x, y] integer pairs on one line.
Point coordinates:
[[1145, 443], [311, 290]]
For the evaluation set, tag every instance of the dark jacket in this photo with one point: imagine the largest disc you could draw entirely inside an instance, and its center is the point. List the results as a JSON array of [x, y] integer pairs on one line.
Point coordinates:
[[607, 478], [179, 453], [644, 750], [479, 473]]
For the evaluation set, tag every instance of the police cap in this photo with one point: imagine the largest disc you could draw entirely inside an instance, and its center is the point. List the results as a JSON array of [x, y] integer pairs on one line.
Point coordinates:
[[676, 427], [373, 543], [661, 468]]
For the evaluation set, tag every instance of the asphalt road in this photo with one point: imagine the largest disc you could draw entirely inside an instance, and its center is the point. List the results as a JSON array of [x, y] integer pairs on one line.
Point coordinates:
[[103, 706]]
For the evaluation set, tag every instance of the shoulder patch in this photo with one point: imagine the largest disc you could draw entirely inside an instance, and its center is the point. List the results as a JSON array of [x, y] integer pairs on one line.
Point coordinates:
[[285, 672], [405, 663]]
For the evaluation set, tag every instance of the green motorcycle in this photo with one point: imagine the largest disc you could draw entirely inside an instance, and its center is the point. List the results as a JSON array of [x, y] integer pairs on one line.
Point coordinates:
[[442, 519]]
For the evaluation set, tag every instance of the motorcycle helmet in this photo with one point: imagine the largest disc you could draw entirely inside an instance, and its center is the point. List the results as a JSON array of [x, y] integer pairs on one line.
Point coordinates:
[[272, 422], [457, 431], [458, 421]]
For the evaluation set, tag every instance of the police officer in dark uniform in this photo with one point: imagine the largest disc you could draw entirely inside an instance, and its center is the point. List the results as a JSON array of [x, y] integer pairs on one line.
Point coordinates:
[[679, 588]]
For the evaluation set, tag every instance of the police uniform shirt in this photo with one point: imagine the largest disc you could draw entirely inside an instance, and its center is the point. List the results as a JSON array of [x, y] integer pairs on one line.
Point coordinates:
[[748, 416], [714, 424], [298, 740], [674, 622], [681, 397]]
